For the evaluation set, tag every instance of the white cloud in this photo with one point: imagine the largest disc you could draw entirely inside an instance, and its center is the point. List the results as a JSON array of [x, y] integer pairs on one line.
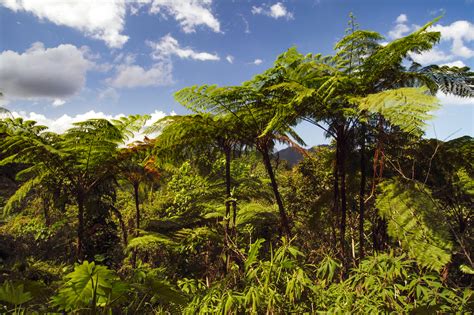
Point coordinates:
[[54, 73], [103, 20], [246, 24], [169, 46], [399, 31], [401, 27], [130, 76], [61, 124], [276, 11], [230, 59], [431, 56], [451, 100], [58, 102], [459, 33], [257, 61], [402, 18], [457, 63], [189, 13], [64, 122], [109, 94], [127, 59]]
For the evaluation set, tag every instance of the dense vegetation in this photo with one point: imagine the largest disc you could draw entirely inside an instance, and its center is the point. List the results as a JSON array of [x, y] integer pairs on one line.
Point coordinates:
[[203, 217]]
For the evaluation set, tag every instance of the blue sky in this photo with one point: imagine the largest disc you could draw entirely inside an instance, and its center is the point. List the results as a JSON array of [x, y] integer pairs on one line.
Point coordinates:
[[65, 60]]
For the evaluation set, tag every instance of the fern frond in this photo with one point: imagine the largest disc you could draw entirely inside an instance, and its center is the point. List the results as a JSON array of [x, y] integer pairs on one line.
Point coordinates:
[[413, 218], [150, 242], [21, 193], [407, 108]]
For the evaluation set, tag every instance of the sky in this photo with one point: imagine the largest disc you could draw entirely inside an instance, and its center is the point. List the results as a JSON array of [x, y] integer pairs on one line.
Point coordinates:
[[63, 61]]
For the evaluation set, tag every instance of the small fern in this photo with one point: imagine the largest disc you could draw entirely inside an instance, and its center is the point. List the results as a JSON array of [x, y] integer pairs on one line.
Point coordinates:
[[14, 294]]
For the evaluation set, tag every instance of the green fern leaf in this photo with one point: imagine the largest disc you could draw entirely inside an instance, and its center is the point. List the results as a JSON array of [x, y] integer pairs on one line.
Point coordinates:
[[413, 218], [407, 108]]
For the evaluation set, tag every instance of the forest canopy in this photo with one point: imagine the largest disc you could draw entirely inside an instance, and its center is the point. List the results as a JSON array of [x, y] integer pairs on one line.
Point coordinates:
[[203, 215]]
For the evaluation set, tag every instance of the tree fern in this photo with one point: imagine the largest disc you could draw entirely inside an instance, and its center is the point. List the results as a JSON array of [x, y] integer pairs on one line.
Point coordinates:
[[150, 242], [407, 108], [413, 218]]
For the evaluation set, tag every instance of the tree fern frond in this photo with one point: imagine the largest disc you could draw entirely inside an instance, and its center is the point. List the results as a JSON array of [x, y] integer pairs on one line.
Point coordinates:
[[413, 218], [21, 193], [407, 108]]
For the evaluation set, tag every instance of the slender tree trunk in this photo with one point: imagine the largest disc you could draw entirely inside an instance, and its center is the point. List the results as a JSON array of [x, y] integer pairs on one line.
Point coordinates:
[[47, 219], [283, 217], [137, 207], [234, 219], [341, 159], [227, 191], [80, 226], [362, 194], [122, 224], [335, 198], [137, 219], [227, 208]]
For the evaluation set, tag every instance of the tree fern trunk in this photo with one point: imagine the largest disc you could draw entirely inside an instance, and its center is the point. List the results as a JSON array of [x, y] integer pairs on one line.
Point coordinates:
[[47, 219], [137, 207], [137, 219], [227, 208], [80, 226], [341, 158], [227, 190], [335, 199], [283, 217], [362, 193]]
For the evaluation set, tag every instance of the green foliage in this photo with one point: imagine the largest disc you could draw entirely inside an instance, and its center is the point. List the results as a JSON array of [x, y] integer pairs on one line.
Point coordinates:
[[89, 286], [413, 218], [149, 243], [407, 108], [283, 283], [279, 284], [392, 284], [21, 193], [14, 294], [211, 200]]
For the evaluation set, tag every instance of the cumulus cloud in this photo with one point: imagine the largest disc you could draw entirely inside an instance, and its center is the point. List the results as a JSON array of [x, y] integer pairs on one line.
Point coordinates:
[[109, 94], [257, 61], [169, 46], [103, 20], [40, 72], [402, 18], [58, 102], [276, 11], [457, 63], [401, 27], [64, 122], [131, 76], [431, 56], [459, 33], [230, 59], [189, 13]]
